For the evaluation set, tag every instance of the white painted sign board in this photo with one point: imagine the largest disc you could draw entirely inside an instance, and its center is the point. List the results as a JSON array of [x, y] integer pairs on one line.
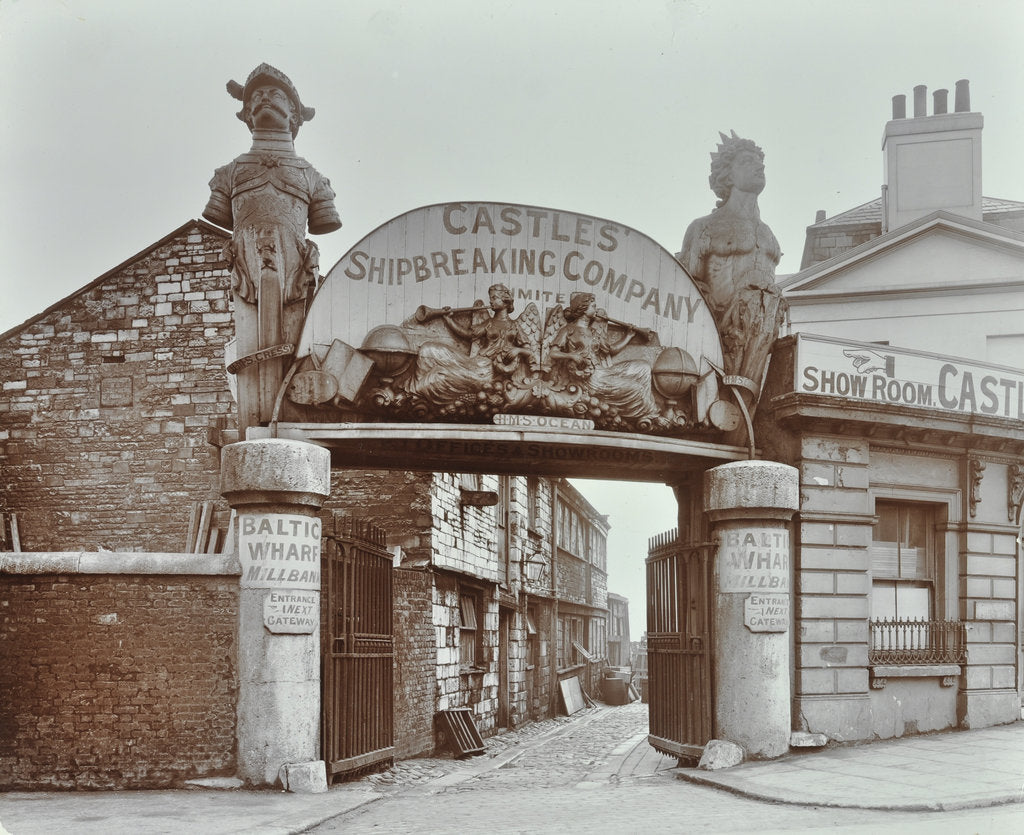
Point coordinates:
[[870, 372]]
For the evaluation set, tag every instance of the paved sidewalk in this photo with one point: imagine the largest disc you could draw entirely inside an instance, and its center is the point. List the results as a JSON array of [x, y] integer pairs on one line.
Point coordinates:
[[222, 812], [949, 771], [935, 772]]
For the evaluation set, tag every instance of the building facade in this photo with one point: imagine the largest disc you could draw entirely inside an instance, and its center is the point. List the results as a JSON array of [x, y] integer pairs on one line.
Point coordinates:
[[908, 547], [931, 264]]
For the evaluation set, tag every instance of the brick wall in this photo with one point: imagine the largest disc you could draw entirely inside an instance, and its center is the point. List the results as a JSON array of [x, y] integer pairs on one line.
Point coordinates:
[[415, 659], [399, 502], [111, 681], [571, 577], [822, 244], [465, 537], [107, 397]]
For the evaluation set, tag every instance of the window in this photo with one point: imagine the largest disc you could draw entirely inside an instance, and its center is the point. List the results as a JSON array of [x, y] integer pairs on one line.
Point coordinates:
[[532, 640], [598, 549], [570, 631], [909, 588], [532, 502], [502, 533], [598, 638], [469, 632], [903, 562]]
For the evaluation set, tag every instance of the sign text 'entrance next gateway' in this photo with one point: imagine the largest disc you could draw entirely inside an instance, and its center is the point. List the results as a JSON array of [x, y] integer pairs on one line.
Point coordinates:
[[465, 312]]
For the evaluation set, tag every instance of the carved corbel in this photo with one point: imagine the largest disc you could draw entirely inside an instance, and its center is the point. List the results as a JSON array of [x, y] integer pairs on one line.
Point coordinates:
[[1015, 491], [950, 681], [879, 683], [976, 471]]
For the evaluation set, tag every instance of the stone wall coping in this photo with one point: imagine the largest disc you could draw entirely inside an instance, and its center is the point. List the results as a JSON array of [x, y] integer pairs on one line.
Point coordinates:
[[117, 562]]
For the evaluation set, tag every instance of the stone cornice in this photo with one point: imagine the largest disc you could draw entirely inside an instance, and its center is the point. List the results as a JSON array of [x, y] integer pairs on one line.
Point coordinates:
[[118, 562], [900, 427]]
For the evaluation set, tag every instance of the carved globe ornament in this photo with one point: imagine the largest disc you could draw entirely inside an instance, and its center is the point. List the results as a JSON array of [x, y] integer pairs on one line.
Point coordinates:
[[389, 349], [674, 373]]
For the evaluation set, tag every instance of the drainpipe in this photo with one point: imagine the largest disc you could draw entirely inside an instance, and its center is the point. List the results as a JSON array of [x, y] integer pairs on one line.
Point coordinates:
[[554, 600]]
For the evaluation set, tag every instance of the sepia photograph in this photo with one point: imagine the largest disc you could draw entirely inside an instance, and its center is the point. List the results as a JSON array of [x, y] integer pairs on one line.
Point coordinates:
[[512, 417]]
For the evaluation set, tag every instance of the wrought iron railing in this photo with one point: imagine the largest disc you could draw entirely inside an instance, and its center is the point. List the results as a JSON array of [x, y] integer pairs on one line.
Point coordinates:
[[918, 642]]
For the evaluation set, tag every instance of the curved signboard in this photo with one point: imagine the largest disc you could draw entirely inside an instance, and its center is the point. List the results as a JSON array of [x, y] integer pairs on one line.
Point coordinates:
[[492, 312]]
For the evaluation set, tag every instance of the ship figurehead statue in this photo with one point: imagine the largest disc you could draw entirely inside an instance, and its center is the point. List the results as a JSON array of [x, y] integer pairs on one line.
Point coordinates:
[[732, 255], [267, 197]]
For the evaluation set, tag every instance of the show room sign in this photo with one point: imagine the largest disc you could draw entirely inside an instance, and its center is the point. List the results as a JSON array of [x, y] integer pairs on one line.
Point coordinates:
[[279, 551], [881, 374]]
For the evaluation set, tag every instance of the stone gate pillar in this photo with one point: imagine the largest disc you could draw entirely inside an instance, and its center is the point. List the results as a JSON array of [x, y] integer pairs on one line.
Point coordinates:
[[750, 504], [276, 487]]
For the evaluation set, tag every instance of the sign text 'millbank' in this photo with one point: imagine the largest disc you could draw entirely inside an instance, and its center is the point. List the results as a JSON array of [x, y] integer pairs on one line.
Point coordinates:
[[279, 550]]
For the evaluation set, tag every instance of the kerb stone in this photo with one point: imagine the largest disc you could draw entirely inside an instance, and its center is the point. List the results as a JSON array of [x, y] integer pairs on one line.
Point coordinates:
[[305, 778], [719, 754]]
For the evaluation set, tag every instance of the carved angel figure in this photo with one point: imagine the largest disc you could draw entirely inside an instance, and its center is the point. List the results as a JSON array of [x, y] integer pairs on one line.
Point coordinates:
[[501, 349], [580, 353]]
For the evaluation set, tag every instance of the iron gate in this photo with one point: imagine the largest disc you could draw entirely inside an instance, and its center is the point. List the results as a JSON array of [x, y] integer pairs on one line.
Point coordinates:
[[679, 646], [357, 721]]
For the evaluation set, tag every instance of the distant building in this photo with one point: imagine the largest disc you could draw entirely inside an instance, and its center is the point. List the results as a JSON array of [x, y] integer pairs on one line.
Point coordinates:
[[618, 630]]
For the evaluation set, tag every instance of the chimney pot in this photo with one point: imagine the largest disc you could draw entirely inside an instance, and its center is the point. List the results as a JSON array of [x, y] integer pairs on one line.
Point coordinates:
[[819, 216], [899, 107], [940, 99], [963, 96], [920, 101]]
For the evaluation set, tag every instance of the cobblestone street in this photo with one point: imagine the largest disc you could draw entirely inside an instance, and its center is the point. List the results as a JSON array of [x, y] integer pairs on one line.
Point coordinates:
[[594, 772]]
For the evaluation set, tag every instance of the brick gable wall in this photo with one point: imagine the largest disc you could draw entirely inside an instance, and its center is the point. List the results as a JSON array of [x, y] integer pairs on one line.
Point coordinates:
[[107, 398]]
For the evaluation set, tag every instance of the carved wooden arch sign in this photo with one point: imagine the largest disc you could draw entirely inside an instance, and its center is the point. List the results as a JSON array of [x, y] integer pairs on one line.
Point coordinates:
[[496, 313]]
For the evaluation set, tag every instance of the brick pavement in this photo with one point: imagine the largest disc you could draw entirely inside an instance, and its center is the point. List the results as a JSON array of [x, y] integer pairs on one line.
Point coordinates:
[[555, 751]]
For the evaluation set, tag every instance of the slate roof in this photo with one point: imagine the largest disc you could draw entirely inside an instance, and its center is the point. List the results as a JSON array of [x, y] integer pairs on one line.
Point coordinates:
[[871, 212]]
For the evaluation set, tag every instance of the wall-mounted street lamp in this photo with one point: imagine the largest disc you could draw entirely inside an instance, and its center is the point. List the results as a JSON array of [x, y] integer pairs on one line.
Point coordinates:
[[534, 567]]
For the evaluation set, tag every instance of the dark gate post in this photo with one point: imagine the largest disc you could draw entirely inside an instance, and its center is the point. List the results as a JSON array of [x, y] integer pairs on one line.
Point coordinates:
[[750, 504], [276, 487]]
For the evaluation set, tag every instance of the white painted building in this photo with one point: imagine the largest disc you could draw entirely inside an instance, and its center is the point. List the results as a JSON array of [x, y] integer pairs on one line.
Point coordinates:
[[931, 264]]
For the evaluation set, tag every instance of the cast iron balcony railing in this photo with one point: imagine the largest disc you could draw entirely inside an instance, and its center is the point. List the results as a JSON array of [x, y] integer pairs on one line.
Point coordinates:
[[917, 642]]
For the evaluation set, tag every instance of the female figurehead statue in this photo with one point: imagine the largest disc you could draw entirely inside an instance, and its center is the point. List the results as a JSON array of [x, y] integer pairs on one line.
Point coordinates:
[[732, 256]]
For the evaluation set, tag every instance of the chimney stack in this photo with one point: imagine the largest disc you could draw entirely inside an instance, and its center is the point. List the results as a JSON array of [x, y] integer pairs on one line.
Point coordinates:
[[932, 163], [963, 96], [920, 101]]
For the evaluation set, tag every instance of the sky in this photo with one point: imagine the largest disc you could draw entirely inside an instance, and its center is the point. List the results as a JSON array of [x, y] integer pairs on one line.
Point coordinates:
[[113, 115]]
